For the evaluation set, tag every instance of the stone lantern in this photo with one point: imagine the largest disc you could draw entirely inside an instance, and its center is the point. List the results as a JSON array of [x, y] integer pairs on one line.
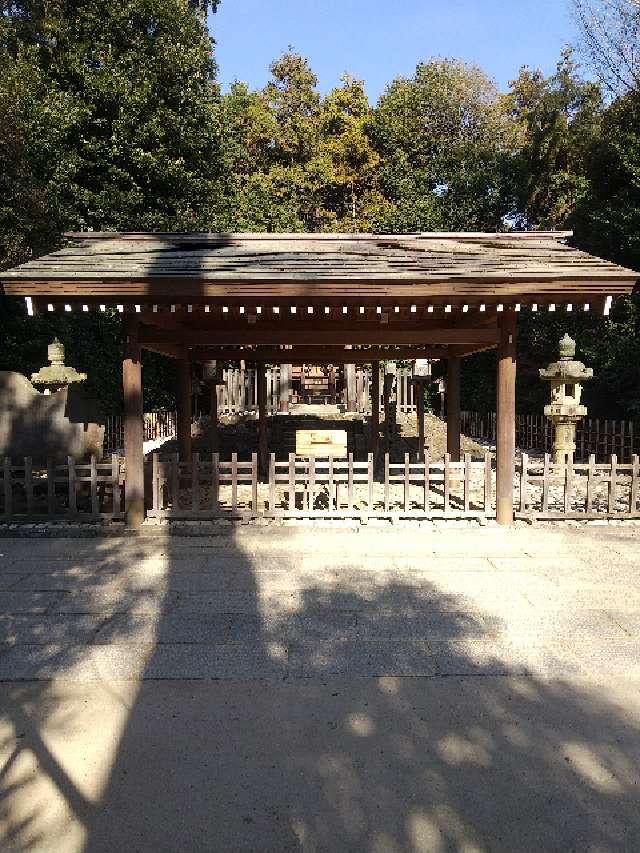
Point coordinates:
[[565, 410], [57, 374]]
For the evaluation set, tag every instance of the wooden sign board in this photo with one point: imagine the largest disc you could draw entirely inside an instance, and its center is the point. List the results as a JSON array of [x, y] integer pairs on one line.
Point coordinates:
[[321, 442]]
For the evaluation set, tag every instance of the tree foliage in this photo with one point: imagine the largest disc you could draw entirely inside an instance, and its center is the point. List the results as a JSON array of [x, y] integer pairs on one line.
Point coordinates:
[[446, 145], [558, 120], [111, 119]]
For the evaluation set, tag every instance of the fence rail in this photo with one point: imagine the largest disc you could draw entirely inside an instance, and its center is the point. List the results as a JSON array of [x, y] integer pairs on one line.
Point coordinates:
[[535, 432], [208, 487], [71, 490], [583, 491]]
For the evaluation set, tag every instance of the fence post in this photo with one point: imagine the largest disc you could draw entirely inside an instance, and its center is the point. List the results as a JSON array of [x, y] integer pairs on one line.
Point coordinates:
[[195, 482], [467, 481], [386, 481], [215, 482], [427, 484], [155, 482], [407, 480], [272, 482], [613, 483], [115, 482], [635, 476], [524, 468], [71, 465], [234, 483], [292, 482], [95, 508], [447, 484], [330, 485], [254, 484], [590, 482], [28, 483], [175, 482], [8, 488], [488, 490]]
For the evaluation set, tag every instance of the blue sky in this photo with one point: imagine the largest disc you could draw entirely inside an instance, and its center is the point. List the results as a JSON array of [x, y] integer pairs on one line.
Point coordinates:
[[376, 41]]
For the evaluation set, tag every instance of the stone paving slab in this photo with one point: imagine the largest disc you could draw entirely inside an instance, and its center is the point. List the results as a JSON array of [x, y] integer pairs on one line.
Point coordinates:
[[49, 627], [27, 662], [28, 602], [206, 628], [361, 659]]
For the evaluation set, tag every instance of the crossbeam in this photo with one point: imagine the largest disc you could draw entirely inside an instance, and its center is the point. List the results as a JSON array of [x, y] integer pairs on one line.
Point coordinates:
[[341, 336], [315, 355]]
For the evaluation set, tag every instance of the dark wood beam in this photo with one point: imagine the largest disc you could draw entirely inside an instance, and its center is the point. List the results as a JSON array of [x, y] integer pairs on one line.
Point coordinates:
[[319, 355], [170, 350], [340, 336]]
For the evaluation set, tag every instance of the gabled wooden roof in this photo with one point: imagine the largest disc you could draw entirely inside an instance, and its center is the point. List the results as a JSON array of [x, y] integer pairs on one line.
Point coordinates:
[[174, 266]]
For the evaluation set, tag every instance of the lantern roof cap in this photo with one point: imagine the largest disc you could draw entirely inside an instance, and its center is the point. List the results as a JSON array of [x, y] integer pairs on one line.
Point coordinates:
[[566, 369]]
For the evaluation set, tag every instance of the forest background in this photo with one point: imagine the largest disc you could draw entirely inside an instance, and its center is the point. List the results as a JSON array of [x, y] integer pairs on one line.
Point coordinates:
[[111, 118]]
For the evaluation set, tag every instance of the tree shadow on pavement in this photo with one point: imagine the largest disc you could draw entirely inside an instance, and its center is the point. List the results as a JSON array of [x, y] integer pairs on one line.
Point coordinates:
[[302, 706]]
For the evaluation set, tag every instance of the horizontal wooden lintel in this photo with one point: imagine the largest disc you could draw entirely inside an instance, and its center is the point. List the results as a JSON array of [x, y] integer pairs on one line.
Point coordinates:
[[340, 336]]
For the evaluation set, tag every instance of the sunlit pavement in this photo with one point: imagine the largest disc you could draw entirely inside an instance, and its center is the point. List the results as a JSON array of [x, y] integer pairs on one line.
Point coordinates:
[[311, 689]]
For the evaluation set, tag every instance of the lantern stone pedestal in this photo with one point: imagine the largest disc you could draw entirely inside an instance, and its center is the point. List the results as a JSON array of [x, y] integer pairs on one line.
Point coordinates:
[[565, 410]]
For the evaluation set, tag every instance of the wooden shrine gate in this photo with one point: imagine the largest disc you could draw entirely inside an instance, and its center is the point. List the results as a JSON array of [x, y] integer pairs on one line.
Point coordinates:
[[323, 299]]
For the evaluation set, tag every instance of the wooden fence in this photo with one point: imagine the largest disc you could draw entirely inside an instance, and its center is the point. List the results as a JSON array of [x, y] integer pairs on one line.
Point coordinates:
[[535, 432], [72, 490], [157, 425], [581, 491], [204, 488], [212, 488]]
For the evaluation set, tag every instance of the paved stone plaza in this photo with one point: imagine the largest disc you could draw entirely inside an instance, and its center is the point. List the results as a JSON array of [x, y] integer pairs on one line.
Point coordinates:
[[470, 690]]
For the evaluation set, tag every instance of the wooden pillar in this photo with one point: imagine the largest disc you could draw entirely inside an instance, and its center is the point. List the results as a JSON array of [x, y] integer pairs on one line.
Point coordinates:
[[505, 417], [453, 408], [183, 406], [210, 376], [375, 408], [263, 443], [213, 409], [350, 387], [133, 427], [419, 392], [285, 385], [390, 401]]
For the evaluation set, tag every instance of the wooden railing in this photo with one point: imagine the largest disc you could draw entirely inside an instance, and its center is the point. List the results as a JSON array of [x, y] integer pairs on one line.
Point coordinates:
[[212, 488], [157, 425], [535, 432], [71, 490], [583, 491], [208, 487]]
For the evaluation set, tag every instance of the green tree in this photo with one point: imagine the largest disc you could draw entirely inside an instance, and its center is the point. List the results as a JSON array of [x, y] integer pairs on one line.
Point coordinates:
[[352, 200], [446, 143], [109, 119], [558, 119]]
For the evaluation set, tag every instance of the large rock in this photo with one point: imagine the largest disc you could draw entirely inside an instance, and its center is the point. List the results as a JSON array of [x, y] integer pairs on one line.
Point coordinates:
[[66, 423]]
